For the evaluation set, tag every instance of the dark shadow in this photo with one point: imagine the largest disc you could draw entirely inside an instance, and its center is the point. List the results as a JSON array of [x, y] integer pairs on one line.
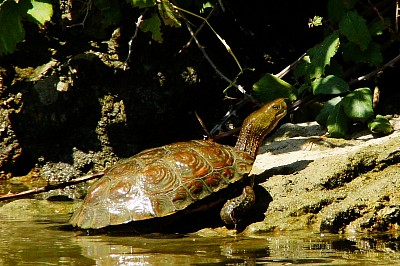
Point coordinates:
[[282, 170]]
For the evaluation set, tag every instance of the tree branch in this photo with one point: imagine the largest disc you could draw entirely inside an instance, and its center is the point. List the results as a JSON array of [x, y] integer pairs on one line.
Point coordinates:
[[50, 187], [376, 71]]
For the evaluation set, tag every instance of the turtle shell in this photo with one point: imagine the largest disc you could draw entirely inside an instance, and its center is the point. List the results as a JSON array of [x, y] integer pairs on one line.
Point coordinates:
[[160, 182]]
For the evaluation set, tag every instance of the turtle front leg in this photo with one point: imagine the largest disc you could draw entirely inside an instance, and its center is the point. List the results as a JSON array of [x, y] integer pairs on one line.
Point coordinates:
[[234, 209]]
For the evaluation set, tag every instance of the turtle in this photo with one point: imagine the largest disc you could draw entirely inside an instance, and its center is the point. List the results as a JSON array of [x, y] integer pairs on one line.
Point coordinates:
[[181, 178]]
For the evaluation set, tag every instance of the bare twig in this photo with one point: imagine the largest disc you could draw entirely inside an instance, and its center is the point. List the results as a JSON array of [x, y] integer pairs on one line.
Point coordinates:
[[50, 187], [206, 55], [138, 22], [376, 71], [221, 5], [397, 16], [193, 35], [289, 67], [227, 47], [380, 15], [208, 134], [231, 112], [88, 8]]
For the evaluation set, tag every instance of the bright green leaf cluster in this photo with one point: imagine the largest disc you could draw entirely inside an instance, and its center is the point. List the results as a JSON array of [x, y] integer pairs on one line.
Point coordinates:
[[338, 113], [351, 38]]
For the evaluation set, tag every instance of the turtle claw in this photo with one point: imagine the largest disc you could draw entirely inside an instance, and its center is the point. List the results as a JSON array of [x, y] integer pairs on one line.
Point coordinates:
[[234, 209]]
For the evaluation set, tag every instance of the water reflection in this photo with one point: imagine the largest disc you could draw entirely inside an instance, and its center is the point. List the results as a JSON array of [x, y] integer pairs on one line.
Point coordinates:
[[32, 238]]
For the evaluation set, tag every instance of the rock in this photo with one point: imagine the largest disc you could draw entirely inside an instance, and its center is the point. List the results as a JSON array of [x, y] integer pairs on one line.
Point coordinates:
[[10, 148], [327, 184], [32, 209]]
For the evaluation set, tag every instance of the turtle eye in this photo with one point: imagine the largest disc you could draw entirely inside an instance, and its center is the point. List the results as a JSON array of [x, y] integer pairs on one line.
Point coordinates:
[[276, 107]]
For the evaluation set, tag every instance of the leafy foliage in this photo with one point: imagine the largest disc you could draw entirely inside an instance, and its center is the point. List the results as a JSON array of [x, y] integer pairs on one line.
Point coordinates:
[[329, 85], [318, 57], [358, 104], [270, 87], [11, 30], [338, 123], [372, 56], [153, 25], [380, 125], [168, 14], [354, 27], [41, 11], [349, 39], [11, 15], [142, 3]]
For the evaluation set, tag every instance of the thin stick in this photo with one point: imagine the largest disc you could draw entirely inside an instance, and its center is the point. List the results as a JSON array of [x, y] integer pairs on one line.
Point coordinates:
[[206, 55], [208, 134], [216, 34], [89, 6], [397, 16], [138, 23], [376, 71], [231, 112], [50, 187], [289, 67], [197, 31]]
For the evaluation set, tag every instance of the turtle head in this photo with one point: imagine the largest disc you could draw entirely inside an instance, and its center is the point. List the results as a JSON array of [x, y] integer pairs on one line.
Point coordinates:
[[260, 123]]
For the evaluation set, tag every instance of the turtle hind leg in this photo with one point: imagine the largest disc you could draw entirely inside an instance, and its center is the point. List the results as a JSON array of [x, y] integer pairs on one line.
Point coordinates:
[[234, 209]]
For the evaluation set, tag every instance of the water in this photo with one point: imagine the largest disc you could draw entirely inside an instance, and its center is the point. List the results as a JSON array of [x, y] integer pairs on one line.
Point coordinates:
[[40, 238]]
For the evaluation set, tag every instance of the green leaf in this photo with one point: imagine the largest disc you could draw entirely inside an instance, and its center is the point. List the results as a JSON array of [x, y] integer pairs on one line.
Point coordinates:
[[168, 14], [319, 56], [372, 56], [329, 85], [205, 6], [270, 87], [142, 3], [315, 21], [378, 27], [380, 125], [323, 115], [11, 30], [41, 11], [338, 123], [354, 27], [303, 88], [152, 24], [338, 8], [358, 104], [301, 67]]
